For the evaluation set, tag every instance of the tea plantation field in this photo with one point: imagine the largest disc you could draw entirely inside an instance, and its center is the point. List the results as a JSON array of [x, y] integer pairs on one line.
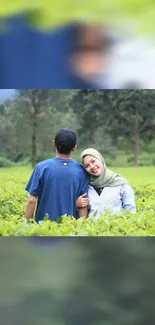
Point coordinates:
[[13, 200]]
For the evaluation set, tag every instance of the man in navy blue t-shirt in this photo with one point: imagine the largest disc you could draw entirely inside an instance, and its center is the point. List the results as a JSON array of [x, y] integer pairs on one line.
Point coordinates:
[[56, 183]]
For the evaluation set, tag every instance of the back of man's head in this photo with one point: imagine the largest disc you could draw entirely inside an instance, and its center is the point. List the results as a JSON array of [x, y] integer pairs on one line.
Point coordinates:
[[65, 140]]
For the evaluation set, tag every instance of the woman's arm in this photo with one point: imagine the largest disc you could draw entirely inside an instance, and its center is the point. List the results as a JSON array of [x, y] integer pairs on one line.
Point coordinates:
[[82, 206], [82, 201], [128, 200]]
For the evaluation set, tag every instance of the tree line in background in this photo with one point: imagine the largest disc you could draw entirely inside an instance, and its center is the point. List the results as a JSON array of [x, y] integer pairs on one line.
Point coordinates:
[[119, 123]]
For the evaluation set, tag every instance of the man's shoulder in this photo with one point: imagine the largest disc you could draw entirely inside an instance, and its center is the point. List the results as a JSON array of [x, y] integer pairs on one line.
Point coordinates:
[[76, 162], [45, 163], [79, 165], [54, 161]]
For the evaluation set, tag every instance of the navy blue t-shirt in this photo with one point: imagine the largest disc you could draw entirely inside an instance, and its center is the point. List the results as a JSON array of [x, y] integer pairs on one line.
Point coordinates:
[[57, 183], [34, 58]]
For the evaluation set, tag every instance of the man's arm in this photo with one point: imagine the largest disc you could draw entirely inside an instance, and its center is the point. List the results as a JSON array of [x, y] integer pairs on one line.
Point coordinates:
[[32, 188], [83, 212], [30, 207]]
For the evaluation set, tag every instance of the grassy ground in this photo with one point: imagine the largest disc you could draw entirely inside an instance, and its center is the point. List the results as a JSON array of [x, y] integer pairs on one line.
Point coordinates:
[[135, 176]]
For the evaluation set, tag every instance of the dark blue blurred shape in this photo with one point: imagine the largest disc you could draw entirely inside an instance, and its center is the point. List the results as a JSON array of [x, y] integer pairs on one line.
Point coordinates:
[[51, 241], [32, 58]]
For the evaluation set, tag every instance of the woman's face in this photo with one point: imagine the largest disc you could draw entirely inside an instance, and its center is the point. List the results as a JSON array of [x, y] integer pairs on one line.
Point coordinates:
[[92, 165]]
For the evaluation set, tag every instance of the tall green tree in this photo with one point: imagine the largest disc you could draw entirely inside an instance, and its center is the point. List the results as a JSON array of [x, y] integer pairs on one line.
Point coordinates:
[[39, 107], [136, 110], [128, 115], [109, 120]]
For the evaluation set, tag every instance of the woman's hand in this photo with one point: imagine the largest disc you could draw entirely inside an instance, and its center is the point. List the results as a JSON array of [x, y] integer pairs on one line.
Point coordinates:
[[82, 201]]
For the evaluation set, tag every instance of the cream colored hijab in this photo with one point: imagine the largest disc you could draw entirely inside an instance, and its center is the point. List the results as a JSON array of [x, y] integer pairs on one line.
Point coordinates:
[[108, 177]]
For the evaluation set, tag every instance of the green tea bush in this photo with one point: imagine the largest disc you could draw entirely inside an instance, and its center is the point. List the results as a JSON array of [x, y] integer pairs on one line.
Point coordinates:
[[13, 223]]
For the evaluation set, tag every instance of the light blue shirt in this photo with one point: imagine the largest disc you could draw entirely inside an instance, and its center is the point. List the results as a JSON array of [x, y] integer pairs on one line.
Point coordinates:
[[113, 199]]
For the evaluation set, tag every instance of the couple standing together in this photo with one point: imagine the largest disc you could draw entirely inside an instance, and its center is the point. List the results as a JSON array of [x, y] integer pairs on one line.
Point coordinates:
[[62, 186]]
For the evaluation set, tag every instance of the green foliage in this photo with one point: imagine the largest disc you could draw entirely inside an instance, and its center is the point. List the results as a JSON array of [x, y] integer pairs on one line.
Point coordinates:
[[4, 162], [41, 113], [145, 159], [13, 200], [46, 13], [119, 123], [118, 114], [44, 156]]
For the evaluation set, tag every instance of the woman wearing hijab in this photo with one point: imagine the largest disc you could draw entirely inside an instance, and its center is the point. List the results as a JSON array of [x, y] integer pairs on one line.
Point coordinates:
[[107, 190]]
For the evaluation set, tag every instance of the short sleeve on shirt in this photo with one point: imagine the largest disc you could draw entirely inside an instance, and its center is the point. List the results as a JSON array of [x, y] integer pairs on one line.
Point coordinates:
[[85, 183], [33, 184]]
